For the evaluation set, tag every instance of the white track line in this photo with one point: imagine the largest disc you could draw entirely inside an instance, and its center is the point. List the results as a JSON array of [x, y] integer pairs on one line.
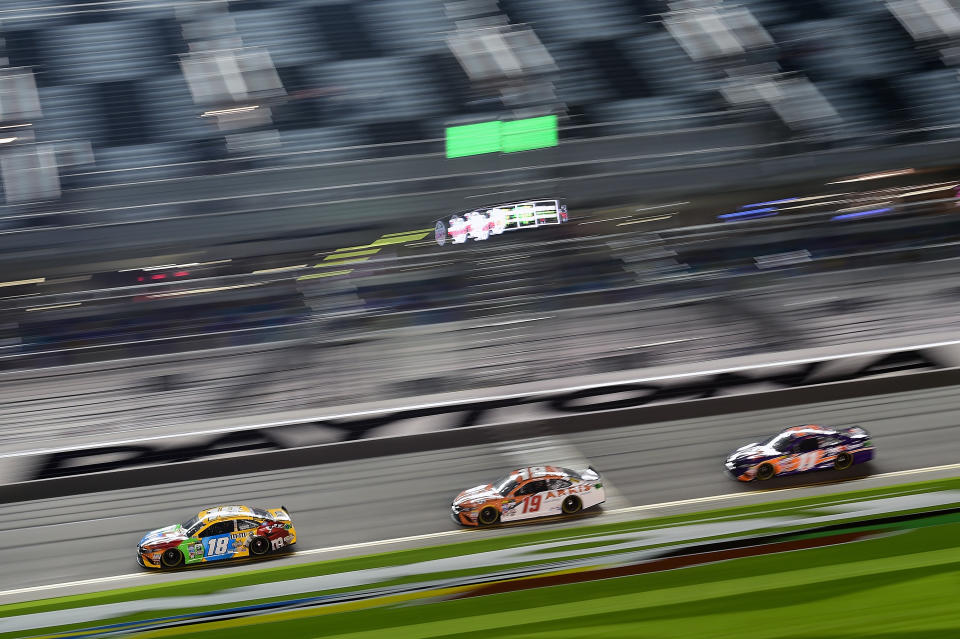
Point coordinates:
[[451, 533], [313, 551], [69, 584]]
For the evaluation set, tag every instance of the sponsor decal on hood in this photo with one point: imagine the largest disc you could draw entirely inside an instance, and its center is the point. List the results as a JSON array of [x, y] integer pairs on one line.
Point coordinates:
[[477, 494], [752, 451], [170, 533]]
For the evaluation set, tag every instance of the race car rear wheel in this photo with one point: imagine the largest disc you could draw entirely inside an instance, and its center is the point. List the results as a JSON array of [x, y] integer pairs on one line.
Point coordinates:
[[571, 505], [765, 472], [259, 546], [488, 516], [171, 558], [843, 461]]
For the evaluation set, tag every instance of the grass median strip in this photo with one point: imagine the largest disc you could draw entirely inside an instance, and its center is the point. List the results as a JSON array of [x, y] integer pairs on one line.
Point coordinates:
[[901, 583]]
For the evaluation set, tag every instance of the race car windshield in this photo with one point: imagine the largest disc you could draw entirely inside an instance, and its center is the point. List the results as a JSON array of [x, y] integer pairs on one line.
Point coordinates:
[[505, 484], [192, 525], [780, 442]]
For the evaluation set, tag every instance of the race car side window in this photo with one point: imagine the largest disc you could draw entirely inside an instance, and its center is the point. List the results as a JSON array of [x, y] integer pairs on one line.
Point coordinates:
[[533, 487], [506, 485], [557, 484], [192, 530], [807, 445], [219, 528], [246, 524]]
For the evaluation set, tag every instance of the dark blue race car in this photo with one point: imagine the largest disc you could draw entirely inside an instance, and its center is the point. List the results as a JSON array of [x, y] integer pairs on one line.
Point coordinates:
[[799, 449]]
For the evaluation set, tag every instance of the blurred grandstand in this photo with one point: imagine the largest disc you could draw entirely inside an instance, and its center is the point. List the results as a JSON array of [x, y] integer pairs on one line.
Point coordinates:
[[284, 132], [96, 88]]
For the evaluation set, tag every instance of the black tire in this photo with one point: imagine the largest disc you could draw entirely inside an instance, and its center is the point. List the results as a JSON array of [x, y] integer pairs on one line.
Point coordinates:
[[259, 546], [488, 516], [765, 472], [440, 233], [843, 461], [571, 505], [171, 558]]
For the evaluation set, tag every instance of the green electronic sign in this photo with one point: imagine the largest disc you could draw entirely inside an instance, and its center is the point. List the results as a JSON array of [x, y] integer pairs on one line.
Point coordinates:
[[505, 137], [473, 139], [532, 133]]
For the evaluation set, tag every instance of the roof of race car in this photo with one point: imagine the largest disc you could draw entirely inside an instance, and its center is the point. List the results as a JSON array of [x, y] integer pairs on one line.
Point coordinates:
[[535, 472], [487, 207], [223, 512], [809, 428]]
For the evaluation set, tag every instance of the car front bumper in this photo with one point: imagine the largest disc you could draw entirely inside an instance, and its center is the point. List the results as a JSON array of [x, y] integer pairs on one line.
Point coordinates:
[[461, 517], [740, 474], [146, 562]]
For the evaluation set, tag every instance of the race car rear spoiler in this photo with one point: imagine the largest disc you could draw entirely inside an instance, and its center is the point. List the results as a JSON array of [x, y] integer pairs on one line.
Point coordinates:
[[279, 514], [590, 474], [856, 430]]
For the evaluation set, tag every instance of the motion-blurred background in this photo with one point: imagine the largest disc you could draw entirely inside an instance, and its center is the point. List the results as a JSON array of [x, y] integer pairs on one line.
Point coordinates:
[[226, 208]]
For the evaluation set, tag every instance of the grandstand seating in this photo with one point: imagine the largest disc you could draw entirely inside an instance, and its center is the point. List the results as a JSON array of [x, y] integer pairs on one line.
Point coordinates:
[[361, 72]]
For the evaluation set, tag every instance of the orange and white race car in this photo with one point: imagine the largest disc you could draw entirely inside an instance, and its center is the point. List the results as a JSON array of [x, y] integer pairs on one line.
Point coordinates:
[[527, 493]]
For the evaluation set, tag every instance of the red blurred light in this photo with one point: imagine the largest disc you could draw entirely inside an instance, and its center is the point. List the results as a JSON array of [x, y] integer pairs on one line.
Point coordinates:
[[181, 273], [140, 279], [158, 276]]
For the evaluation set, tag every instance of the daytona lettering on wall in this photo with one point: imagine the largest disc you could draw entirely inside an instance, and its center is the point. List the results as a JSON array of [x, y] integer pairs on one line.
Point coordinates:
[[512, 410]]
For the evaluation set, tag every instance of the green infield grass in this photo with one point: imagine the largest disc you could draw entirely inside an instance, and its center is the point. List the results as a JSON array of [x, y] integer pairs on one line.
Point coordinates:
[[904, 585]]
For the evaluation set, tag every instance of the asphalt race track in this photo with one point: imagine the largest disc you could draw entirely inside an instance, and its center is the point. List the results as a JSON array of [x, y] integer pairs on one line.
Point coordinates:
[[94, 536]]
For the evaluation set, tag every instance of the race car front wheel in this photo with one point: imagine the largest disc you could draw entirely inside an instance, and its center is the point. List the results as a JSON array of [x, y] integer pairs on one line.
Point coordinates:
[[171, 558], [440, 233], [259, 546], [488, 516], [765, 472], [843, 461], [571, 505]]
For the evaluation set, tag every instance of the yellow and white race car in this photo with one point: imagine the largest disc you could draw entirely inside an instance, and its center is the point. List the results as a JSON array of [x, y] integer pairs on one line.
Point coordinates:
[[215, 534]]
